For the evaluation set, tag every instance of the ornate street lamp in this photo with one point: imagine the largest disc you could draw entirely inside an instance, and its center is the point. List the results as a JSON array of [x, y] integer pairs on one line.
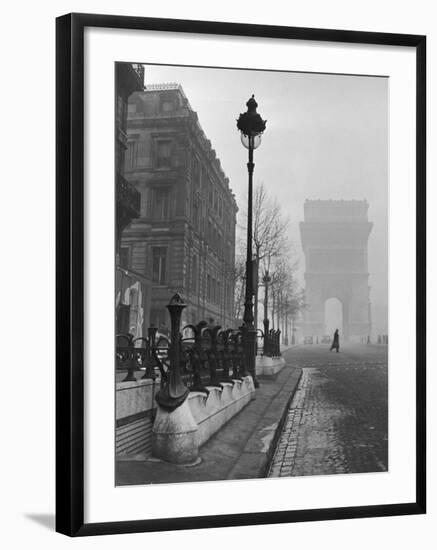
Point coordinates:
[[251, 126], [266, 280]]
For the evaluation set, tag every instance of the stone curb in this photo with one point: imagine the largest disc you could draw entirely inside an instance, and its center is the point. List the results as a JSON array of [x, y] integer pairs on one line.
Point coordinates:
[[254, 461], [282, 420]]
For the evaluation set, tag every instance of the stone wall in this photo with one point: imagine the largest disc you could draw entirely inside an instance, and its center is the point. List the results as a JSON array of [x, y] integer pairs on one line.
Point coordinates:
[[136, 411], [135, 408]]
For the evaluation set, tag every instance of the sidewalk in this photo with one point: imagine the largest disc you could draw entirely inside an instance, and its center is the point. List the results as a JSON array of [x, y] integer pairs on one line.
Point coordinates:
[[242, 449]]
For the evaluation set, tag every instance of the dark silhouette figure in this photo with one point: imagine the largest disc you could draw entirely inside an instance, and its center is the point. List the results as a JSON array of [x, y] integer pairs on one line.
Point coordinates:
[[335, 342]]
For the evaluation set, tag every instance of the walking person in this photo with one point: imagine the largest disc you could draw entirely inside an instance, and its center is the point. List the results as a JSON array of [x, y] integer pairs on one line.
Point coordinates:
[[335, 342]]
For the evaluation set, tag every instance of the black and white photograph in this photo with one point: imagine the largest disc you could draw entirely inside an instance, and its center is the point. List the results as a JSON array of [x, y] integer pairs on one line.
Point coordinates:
[[251, 274], [218, 258]]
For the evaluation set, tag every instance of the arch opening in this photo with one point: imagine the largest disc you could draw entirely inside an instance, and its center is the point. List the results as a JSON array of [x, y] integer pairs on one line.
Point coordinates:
[[333, 316]]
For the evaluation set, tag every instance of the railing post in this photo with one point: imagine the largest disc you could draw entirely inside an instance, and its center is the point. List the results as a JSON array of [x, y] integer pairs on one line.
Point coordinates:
[[266, 350], [232, 346], [225, 356], [243, 339], [174, 392], [272, 342], [212, 356], [130, 361], [174, 432], [150, 367], [196, 357]]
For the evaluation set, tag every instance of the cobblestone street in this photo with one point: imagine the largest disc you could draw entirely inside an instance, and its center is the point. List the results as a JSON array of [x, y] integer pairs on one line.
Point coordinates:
[[338, 418]]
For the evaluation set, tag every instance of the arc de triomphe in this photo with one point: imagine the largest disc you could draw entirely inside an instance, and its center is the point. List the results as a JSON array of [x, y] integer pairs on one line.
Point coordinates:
[[334, 237]]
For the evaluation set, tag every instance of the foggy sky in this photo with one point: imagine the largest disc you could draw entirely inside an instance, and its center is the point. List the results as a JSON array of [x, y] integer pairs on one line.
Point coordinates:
[[326, 138]]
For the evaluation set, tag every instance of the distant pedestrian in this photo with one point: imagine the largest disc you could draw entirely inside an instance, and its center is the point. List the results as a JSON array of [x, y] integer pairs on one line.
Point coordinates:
[[335, 342]]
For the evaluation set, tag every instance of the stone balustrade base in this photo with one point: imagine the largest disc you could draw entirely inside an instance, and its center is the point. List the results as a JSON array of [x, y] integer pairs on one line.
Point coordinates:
[[177, 435], [213, 411], [174, 435], [268, 366]]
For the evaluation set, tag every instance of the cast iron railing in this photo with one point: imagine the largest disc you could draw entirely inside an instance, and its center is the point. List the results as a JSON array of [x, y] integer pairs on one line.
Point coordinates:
[[139, 354], [208, 356], [269, 344], [191, 359]]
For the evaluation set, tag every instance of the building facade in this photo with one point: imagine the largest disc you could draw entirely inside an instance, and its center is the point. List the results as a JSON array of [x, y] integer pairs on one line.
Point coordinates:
[[184, 238], [132, 289], [334, 237]]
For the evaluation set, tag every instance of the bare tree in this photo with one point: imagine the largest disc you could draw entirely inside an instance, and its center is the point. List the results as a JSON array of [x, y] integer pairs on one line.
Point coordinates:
[[270, 240], [239, 282], [269, 225], [273, 251], [287, 296]]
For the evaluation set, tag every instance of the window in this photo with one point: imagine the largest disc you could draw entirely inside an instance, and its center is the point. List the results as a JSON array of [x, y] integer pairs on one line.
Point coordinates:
[[163, 153], [196, 215], [134, 314], [194, 274], [121, 111], [161, 207], [214, 291], [167, 105], [196, 174], [122, 320], [124, 256], [132, 154], [168, 102], [158, 318], [159, 262], [208, 288]]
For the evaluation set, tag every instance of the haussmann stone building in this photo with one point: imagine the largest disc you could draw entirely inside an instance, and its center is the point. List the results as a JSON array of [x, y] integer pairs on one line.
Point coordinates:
[[184, 238], [132, 289]]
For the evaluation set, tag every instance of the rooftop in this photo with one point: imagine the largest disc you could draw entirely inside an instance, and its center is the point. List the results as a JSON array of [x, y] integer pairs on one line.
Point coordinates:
[[338, 210]]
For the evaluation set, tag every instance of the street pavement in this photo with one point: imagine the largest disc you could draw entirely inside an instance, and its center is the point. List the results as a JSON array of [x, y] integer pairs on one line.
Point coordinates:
[[337, 421], [241, 449]]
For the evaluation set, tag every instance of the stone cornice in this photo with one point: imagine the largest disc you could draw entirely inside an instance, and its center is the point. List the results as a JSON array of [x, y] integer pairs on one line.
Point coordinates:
[[188, 118]]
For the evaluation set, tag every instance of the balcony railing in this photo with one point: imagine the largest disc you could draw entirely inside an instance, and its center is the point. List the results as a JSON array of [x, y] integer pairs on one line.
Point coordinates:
[[128, 199]]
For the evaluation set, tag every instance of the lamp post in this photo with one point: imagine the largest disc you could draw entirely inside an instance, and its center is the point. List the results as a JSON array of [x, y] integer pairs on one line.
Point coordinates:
[[266, 281], [251, 126]]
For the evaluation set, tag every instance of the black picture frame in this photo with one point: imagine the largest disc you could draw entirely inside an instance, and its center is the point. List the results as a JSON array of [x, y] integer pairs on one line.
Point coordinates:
[[70, 273]]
